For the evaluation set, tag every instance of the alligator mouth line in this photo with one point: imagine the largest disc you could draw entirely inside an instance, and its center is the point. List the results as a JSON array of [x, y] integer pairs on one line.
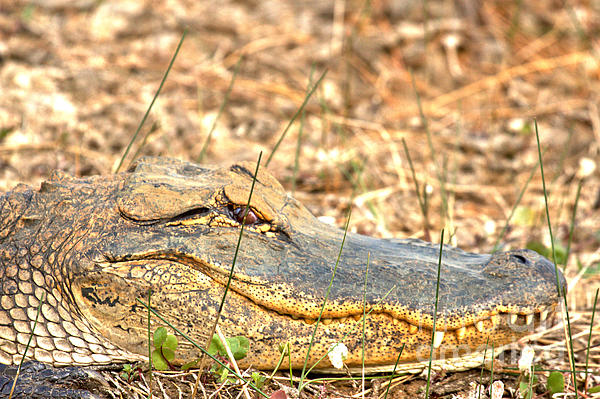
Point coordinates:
[[520, 321]]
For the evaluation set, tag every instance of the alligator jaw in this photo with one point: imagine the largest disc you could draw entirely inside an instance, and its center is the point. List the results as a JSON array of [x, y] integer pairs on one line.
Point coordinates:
[[198, 286]]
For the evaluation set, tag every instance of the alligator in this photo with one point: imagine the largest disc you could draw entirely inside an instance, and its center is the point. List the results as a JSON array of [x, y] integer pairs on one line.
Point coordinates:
[[89, 249]]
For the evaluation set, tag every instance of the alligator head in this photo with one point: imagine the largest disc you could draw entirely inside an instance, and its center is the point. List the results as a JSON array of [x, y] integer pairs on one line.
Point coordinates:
[[92, 247]]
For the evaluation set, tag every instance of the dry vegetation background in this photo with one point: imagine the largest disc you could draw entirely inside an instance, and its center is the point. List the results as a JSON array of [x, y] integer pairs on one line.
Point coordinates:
[[77, 76]]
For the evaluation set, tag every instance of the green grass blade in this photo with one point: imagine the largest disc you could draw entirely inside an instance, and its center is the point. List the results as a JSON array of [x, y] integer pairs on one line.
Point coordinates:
[[149, 348], [393, 372], [569, 337], [570, 343], [514, 21], [437, 292], [483, 366], [151, 103], [589, 342], [537, 136], [512, 211], [426, 56], [432, 153], [152, 129], [300, 131], [422, 202], [290, 364], [221, 109], [284, 353], [298, 112], [358, 183], [559, 166], [364, 322], [492, 371], [572, 226], [237, 250], [337, 262], [37, 315]]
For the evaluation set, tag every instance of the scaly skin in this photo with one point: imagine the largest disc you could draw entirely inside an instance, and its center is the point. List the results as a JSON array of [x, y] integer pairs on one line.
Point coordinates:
[[90, 247]]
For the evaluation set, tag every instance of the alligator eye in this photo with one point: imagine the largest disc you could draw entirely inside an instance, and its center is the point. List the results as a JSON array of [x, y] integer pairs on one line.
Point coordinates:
[[521, 259], [238, 214]]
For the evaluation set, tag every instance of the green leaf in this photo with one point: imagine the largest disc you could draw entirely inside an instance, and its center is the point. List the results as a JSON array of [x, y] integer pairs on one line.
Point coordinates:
[[216, 346], [159, 336], [539, 248], [526, 129], [559, 249], [556, 382], [170, 342], [524, 390], [159, 361], [223, 373], [169, 354], [234, 345], [214, 367], [189, 365], [259, 380], [243, 345], [594, 389], [5, 132]]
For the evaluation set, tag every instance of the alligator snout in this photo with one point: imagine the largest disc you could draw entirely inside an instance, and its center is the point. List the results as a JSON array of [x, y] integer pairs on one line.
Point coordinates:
[[532, 270]]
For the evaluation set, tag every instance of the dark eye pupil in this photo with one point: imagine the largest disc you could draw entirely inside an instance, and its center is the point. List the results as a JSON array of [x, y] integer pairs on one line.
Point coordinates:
[[251, 217]]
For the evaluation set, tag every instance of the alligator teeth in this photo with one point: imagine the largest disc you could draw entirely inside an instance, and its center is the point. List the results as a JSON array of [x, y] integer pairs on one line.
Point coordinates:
[[479, 326], [295, 317], [309, 321], [461, 332], [529, 319], [357, 317], [412, 329], [326, 321], [495, 320], [343, 319], [513, 318], [437, 339], [543, 315]]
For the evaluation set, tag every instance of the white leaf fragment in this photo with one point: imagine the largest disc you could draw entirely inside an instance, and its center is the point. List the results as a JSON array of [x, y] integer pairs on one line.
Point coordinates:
[[337, 355], [526, 359]]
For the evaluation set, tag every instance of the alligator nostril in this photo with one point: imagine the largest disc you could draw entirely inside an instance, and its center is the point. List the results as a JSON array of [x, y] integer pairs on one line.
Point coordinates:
[[521, 259]]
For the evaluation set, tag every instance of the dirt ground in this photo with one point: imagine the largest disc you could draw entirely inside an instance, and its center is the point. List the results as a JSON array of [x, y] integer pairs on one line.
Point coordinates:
[[76, 78]]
